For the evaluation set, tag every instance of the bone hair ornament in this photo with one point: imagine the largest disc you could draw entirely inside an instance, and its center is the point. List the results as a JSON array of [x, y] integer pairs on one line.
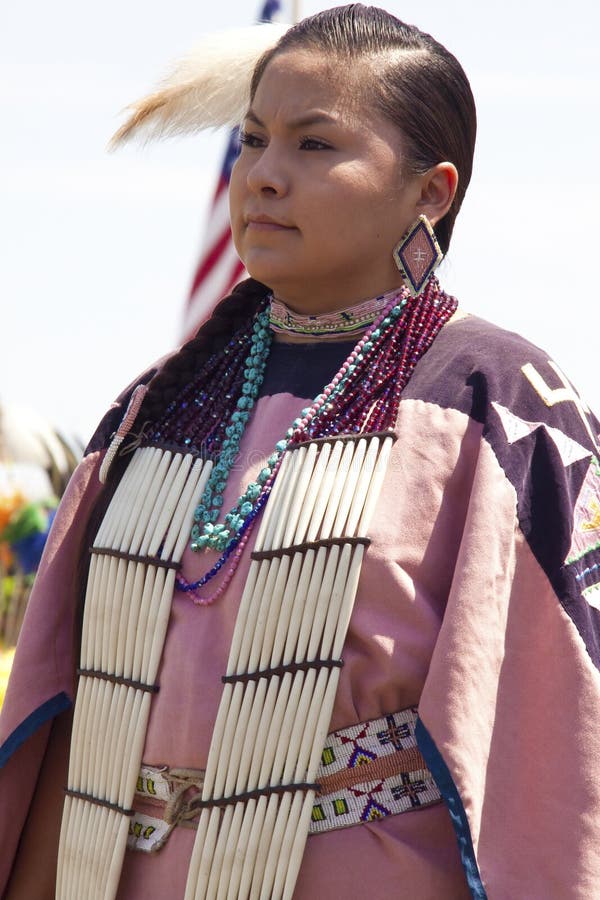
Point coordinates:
[[209, 88]]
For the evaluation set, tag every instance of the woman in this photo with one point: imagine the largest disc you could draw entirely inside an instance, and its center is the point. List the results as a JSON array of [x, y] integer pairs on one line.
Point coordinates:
[[401, 598]]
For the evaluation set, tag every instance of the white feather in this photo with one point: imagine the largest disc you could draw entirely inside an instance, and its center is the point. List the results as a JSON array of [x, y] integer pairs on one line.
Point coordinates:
[[209, 88]]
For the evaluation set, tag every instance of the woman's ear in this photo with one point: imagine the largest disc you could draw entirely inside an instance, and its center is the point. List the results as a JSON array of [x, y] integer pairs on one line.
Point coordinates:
[[438, 187]]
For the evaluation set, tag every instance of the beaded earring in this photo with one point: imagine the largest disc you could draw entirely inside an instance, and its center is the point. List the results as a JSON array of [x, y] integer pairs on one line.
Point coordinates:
[[417, 255]]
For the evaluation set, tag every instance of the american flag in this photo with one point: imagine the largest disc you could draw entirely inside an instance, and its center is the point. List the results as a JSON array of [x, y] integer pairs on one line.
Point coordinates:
[[219, 268]]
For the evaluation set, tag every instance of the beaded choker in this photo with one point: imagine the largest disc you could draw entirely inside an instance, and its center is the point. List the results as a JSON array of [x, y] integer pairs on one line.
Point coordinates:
[[348, 323]]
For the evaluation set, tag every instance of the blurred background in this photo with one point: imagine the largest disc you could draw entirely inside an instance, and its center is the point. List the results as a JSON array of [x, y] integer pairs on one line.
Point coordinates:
[[98, 251]]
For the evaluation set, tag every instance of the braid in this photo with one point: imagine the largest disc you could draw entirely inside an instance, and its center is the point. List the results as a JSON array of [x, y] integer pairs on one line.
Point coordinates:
[[230, 314], [165, 384]]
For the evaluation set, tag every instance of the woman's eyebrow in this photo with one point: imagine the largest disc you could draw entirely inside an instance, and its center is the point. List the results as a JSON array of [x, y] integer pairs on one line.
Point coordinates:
[[254, 118], [303, 121]]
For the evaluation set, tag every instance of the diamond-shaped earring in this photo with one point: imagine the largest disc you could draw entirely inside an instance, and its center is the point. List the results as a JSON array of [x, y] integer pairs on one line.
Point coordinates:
[[417, 255]]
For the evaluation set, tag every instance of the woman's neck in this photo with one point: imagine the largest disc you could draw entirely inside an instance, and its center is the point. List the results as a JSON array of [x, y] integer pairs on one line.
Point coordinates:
[[317, 298]]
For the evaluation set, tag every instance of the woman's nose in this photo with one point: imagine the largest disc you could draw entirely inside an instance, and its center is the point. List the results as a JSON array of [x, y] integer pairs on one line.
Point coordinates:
[[267, 173]]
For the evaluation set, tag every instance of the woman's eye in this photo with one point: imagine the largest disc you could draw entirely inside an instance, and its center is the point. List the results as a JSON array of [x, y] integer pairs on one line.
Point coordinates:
[[308, 143], [248, 139]]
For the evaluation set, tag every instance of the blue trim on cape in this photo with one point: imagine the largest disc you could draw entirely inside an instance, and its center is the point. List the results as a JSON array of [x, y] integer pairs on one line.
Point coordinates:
[[447, 788], [48, 710]]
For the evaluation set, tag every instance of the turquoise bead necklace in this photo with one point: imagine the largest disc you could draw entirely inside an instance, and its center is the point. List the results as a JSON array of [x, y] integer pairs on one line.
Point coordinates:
[[206, 531]]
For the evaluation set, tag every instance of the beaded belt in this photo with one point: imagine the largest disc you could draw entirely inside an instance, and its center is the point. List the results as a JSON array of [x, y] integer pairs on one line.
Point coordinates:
[[368, 771]]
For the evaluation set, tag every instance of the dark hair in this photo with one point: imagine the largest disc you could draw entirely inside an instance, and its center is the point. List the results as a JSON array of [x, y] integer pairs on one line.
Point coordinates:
[[232, 313], [423, 90]]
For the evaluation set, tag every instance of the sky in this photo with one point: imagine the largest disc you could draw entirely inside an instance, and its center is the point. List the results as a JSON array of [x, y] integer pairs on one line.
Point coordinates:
[[97, 250]]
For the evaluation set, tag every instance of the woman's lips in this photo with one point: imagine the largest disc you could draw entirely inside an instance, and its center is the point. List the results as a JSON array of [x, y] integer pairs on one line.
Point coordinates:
[[265, 223]]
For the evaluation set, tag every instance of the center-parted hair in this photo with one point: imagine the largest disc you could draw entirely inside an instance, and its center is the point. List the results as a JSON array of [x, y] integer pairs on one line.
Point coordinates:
[[418, 85]]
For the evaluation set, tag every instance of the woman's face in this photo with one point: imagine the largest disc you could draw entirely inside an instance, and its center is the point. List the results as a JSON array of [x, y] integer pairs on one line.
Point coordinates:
[[318, 195]]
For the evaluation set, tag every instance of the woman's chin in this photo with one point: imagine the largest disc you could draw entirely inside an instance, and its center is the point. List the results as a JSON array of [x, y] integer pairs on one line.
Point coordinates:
[[270, 272]]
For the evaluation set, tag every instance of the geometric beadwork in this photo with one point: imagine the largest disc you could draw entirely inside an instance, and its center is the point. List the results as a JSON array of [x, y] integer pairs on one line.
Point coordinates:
[[586, 524], [368, 771], [372, 770], [417, 255]]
